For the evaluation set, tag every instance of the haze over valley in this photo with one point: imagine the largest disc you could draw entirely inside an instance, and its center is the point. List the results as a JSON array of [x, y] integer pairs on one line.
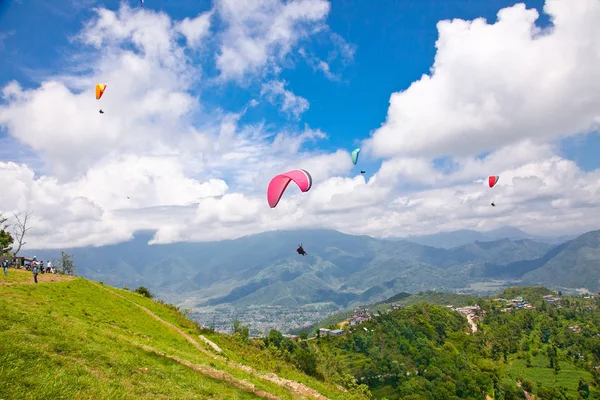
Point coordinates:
[[261, 281]]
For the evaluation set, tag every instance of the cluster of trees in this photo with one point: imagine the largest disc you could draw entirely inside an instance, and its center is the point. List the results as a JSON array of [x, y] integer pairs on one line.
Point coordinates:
[[420, 352], [565, 334], [425, 351], [299, 353]]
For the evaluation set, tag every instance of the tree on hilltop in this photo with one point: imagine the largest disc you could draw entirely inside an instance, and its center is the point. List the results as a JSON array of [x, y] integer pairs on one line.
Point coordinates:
[[20, 229], [6, 239]]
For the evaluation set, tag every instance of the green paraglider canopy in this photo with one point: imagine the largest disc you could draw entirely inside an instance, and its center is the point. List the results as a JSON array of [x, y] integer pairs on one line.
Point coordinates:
[[355, 155]]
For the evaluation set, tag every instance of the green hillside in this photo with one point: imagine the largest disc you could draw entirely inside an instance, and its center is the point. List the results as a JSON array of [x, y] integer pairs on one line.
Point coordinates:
[[403, 299], [70, 338], [427, 351], [575, 266]]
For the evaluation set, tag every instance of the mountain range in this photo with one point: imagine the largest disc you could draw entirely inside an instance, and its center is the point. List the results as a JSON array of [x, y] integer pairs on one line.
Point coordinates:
[[448, 240], [339, 271]]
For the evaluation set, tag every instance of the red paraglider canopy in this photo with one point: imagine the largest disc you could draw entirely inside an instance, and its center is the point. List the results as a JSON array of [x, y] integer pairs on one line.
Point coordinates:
[[492, 180], [279, 183]]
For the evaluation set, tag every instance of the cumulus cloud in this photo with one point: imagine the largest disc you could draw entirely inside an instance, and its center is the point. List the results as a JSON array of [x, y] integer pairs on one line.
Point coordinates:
[[493, 84], [162, 159]]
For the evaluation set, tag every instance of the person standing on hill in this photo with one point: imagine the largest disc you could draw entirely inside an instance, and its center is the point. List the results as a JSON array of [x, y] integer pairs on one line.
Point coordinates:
[[35, 272], [5, 267]]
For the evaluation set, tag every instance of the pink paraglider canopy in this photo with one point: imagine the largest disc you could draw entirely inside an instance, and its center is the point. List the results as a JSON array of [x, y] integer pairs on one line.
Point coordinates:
[[279, 183]]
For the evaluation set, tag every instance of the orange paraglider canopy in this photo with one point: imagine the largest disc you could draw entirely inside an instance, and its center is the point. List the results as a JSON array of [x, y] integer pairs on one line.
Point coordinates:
[[100, 88]]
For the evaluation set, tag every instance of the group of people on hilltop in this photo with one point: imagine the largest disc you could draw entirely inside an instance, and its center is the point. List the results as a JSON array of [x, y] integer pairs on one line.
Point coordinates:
[[38, 267]]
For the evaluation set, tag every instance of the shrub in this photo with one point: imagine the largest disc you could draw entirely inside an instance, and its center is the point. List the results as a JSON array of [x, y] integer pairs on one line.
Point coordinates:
[[144, 292]]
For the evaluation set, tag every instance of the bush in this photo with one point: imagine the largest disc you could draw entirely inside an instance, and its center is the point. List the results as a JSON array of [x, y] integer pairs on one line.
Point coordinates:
[[144, 292]]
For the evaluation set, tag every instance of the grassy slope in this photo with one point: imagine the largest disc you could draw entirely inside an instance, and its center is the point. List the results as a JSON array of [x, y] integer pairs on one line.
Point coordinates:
[[78, 339], [540, 373]]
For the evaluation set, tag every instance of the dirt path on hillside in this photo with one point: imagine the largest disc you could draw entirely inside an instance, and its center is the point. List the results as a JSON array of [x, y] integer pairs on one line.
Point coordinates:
[[213, 373], [210, 343], [298, 388], [472, 323]]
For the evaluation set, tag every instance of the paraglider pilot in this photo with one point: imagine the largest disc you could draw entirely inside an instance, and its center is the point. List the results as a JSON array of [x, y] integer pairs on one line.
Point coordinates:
[[300, 250], [493, 205]]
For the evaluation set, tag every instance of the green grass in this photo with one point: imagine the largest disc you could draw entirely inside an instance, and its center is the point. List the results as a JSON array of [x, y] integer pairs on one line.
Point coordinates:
[[252, 355], [539, 373], [263, 360], [76, 340]]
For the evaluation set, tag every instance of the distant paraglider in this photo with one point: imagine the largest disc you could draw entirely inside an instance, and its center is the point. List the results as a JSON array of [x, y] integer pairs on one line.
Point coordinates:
[[100, 88], [492, 180], [355, 154], [300, 250], [280, 182]]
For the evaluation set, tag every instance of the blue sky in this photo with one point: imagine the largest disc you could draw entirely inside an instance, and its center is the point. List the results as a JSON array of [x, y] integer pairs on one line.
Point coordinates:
[[445, 135], [394, 39]]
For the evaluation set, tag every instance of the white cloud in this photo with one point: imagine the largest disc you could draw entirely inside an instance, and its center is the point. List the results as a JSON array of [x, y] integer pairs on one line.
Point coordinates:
[[195, 29], [493, 84], [192, 172], [344, 49], [260, 32], [4, 36], [542, 196], [318, 65], [275, 91]]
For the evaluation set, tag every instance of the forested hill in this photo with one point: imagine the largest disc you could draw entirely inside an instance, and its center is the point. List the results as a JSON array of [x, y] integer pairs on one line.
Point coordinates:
[[426, 351]]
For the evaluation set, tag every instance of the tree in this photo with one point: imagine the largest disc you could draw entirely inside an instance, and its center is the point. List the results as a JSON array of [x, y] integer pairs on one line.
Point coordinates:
[[584, 389], [20, 229], [306, 361], [275, 337], [303, 335], [66, 264], [144, 291], [245, 333], [237, 326], [6, 239]]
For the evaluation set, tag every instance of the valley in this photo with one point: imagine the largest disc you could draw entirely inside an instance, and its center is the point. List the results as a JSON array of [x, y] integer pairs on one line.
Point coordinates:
[[262, 282]]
